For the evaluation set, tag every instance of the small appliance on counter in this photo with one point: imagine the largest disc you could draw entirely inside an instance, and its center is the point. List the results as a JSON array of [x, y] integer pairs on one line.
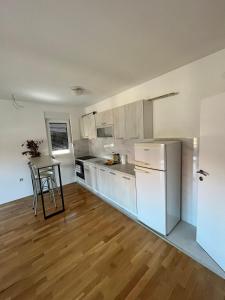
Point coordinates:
[[115, 159]]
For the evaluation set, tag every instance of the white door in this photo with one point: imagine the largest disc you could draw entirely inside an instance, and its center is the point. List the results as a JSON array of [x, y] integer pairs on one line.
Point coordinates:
[[151, 198], [211, 191]]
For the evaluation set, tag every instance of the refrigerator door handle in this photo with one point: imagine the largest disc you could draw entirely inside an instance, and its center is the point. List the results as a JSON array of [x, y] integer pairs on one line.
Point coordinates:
[[142, 162], [141, 170]]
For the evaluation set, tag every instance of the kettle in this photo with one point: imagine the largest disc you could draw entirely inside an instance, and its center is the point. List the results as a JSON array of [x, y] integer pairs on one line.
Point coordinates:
[[116, 158]]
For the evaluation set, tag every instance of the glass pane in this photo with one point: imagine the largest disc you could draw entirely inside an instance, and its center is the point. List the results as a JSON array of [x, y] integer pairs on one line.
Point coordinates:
[[105, 132], [59, 136]]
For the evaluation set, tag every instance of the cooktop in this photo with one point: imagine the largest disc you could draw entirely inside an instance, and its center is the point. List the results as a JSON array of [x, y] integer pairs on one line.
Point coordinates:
[[86, 157]]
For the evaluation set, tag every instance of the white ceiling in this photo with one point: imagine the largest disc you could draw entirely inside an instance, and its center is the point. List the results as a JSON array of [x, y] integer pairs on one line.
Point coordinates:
[[47, 46]]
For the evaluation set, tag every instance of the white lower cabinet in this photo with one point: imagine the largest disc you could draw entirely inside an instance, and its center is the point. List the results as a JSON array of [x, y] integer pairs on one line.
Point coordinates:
[[87, 174], [120, 188], [103, 182], [117, 187], [114, 186], [94, 177], [127, 193]]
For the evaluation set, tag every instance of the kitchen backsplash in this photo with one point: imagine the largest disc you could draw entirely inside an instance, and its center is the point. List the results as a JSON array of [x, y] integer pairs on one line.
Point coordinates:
[[104, 147], [81, 147]]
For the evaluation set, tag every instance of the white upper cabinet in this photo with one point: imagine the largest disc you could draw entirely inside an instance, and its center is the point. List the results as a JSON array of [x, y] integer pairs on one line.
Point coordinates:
[[104, 118], [131, 121], [88, 127], [139, 120], [134, 120], [119, 122]]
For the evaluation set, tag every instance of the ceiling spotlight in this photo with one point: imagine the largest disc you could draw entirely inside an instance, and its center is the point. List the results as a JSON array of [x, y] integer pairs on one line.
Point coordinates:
[[78, 90]]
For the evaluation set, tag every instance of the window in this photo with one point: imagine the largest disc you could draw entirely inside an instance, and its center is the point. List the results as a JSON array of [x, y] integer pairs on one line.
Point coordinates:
[[59, 136]]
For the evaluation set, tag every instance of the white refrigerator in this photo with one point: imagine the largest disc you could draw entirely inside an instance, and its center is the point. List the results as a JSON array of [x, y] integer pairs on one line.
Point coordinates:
[[158, 184]]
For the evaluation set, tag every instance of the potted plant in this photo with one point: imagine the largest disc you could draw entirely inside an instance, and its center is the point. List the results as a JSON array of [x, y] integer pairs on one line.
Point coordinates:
[[32, 147]]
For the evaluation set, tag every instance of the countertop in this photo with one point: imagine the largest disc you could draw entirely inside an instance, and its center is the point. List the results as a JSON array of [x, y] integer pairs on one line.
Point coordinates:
[[123, 168], [44, 161]]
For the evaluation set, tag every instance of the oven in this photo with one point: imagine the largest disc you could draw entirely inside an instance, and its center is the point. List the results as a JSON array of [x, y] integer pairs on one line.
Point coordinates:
[[79, 165], [79, 168]]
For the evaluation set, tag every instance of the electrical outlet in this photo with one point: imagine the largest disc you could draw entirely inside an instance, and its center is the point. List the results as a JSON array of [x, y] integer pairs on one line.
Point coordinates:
[[21, 179]]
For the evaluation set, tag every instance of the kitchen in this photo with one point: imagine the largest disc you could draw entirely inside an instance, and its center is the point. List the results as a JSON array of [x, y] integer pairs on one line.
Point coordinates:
[[128, 129], [112, 150]]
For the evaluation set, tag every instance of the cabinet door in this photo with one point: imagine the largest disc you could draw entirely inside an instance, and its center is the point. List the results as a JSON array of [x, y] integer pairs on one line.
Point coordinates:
[[113, 186], [94, 177], [87, 174], [104, 118], [87, 126], [103, 182], [99, 119], [83, 128], [108, 117], [128, 193], [91, 127], [134, 120], [119, 122]]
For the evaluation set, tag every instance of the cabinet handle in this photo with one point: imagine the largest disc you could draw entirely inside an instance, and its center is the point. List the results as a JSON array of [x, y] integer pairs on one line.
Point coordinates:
[[127, 178], [112, 173], [102, 170]]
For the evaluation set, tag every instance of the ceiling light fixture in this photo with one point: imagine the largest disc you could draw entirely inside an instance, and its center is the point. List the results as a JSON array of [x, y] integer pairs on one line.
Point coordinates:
[[78, 90]]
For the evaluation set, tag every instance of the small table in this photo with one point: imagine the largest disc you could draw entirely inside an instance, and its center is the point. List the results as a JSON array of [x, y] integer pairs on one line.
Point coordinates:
[[44, 162]]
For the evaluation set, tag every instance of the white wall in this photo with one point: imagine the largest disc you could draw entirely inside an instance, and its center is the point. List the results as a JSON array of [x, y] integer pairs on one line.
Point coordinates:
[[179, 116], [16, 126]]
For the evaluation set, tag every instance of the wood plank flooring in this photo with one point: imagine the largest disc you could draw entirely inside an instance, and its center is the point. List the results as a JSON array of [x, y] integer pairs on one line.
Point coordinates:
[[92, 251]]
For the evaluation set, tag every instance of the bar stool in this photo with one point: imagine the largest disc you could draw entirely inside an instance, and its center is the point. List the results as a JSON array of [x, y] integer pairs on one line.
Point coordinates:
[[48, 183]]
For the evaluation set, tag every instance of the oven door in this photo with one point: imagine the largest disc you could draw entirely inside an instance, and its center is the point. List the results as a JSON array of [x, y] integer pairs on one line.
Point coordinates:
[[79, 168]]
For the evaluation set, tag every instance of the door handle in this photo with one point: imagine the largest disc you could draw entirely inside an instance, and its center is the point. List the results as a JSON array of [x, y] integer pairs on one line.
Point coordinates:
[[140, 170], [142, 162], [202, 172]]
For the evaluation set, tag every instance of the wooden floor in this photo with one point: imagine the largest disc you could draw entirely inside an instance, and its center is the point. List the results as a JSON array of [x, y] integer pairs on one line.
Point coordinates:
[[92, 251]]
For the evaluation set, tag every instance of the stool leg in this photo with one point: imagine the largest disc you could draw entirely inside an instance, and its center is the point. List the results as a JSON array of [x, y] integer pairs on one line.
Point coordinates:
[[36, 198], [54, 181], [50, 184]]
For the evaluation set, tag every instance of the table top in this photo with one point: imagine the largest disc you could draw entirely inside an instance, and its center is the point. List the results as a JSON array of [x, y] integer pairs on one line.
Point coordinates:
[[44, 161]]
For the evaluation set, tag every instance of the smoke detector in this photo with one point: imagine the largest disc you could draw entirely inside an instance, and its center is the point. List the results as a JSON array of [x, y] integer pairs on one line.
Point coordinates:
[[78, 90]]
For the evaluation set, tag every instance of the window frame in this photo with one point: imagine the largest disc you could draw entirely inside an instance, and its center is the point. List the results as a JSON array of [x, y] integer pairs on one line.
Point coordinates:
[[69, 137]]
